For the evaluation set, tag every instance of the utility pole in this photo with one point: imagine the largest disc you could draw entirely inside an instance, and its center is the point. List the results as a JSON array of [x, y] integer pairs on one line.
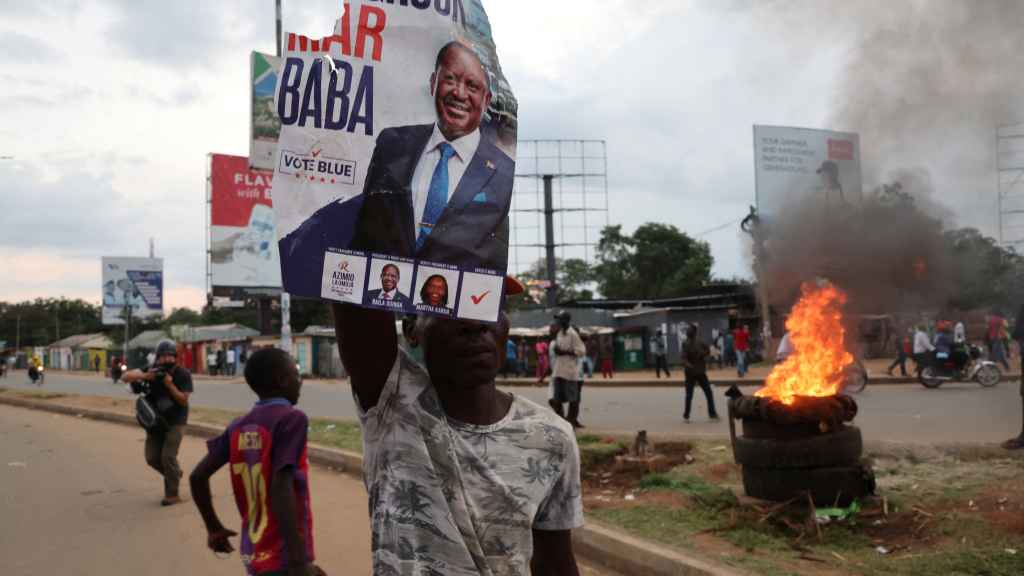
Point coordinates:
[[549, 239], [286, 298], [17, 338]]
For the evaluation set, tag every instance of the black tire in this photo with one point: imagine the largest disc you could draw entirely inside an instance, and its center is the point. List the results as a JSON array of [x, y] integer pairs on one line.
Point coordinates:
[[988, 376], [825, 485], [771, 431], [928, 379], [842, 448]]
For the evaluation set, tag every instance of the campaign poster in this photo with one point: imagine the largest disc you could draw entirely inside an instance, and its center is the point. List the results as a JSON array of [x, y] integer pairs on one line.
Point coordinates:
[[397, 155], [803, 167], [243, 242], [264, 125], [135, 283]]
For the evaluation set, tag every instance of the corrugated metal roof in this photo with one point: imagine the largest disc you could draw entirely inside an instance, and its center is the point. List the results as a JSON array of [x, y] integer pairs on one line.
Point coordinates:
[[218, 332], [147, 339], [97, 340]]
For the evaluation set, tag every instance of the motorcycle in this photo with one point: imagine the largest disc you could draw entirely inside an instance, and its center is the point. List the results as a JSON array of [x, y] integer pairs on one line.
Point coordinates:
[[117, 370], [959, 366], [37, 375]]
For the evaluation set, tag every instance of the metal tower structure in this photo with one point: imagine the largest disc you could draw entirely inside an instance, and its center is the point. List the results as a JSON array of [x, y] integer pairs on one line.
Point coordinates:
[[559, 204], [1010, 168]]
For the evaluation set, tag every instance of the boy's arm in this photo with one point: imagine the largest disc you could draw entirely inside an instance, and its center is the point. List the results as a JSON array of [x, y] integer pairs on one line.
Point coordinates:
[[368, 344], [282, 502], [199, 481], [553, 554]]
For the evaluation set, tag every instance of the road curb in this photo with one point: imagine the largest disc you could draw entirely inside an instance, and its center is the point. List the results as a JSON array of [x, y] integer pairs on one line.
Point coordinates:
[[597, 544]]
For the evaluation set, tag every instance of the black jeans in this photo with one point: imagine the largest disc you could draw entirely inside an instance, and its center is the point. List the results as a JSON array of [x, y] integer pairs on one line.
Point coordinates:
[[660, 363], [699, 379], [900, 361]]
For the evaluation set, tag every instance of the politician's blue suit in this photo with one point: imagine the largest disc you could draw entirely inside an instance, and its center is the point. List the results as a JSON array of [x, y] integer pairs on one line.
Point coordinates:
[[471, 232], [473, 229]]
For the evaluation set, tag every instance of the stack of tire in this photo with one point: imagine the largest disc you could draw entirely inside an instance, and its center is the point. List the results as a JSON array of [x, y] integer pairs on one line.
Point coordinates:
[[781, 463]]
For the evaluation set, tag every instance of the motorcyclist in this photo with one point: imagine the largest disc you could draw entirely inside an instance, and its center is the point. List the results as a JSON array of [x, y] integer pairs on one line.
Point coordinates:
[[170, 399]]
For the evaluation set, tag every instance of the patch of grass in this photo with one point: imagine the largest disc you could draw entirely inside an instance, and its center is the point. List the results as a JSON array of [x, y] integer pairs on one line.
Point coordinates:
[[704, 493], [672, 526], [36, 394], [336, 434], [595, 450], [750, 538], [323, 431], [961, 561]]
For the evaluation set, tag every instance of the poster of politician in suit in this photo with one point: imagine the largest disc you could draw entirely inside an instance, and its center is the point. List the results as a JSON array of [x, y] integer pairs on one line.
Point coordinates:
[[389, 284], [404, 152]]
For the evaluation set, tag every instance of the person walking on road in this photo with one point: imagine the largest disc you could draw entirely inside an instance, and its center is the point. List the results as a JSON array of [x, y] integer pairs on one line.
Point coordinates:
[[511, 362], [695, 354], [464, 479], [1018, 335], [96, 363], [269, 474], [568, 349], [230, 359], [903, 350], [170, 398], [542, 360], [659, 348], [922, 347], [994, 340], [606, 350], [741, 342]]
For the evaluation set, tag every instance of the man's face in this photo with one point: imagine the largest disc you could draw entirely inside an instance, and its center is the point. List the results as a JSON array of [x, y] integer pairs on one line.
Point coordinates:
[[436, 291], [389, 278], [459, 88], [464, 351], [166, 359]]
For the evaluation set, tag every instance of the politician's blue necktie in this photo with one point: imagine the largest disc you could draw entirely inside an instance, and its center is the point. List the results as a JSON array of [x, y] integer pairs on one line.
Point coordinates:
[[437, 196]]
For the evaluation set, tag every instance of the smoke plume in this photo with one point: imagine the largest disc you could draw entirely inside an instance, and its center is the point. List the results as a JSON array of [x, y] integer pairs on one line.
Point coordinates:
[[925, 84]]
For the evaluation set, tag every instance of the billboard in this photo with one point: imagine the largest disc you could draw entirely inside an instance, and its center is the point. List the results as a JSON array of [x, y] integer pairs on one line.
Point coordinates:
[[804, 165], [132, 282], [399, 159], [243, 243], [264, 125]]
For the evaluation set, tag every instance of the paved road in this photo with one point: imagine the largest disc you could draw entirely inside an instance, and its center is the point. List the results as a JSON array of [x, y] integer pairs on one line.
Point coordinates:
[[77, 498], [905, 413]]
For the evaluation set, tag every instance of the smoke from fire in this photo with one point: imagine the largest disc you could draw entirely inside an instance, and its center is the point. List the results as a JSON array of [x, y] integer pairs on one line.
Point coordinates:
[[925, 83]]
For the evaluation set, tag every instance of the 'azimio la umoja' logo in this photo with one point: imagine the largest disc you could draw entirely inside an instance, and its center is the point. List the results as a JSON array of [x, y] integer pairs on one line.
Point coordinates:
[[315, 167], [343, 282]]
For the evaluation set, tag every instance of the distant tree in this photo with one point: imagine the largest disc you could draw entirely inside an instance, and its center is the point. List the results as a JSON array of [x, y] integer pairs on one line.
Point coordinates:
[[656, 261], [985, 275], [44, 319], [573, 278]]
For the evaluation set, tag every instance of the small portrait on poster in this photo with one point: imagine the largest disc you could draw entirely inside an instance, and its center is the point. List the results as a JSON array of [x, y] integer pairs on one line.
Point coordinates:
[[436, 290], [389, 284]]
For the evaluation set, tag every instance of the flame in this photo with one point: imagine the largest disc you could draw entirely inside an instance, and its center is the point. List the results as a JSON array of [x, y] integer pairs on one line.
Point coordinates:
[[817, 365]]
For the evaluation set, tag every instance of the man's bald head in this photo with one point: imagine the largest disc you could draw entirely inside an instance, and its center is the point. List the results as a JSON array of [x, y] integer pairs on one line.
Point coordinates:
[[460, 89]]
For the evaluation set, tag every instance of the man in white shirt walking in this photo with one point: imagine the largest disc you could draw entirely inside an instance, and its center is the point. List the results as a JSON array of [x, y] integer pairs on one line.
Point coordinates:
[[568, 347]]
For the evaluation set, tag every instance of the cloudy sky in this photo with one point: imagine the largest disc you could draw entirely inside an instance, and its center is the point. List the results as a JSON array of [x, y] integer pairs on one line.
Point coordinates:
[[110, 107]]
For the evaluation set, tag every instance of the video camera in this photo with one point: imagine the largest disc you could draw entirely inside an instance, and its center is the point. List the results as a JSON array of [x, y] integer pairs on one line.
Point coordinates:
[[159, 371]]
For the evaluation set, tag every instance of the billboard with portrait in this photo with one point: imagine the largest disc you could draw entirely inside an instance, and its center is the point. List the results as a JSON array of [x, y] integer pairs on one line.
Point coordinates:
[[136, 283], [243, 242], [264, 125], [397, 145], [815, 168]]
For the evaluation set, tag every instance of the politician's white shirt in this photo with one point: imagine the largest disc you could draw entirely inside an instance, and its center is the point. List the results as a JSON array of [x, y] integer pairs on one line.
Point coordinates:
[[465, 147]]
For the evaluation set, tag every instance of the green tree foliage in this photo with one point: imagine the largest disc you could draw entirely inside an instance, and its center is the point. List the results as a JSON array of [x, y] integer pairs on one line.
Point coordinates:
[[985, 274], [573, 278], [43, 319], [656, 261]]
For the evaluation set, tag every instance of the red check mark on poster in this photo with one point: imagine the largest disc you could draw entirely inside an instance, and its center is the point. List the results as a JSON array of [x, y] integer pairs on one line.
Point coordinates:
[[317, 153], [478, 299]]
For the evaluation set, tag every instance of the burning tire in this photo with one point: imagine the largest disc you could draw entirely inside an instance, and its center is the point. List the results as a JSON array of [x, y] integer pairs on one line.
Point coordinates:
[[842, 448], [826, 486]]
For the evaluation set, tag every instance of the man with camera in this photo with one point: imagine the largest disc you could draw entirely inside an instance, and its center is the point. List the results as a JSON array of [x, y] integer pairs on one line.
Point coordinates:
[[163, 412]]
